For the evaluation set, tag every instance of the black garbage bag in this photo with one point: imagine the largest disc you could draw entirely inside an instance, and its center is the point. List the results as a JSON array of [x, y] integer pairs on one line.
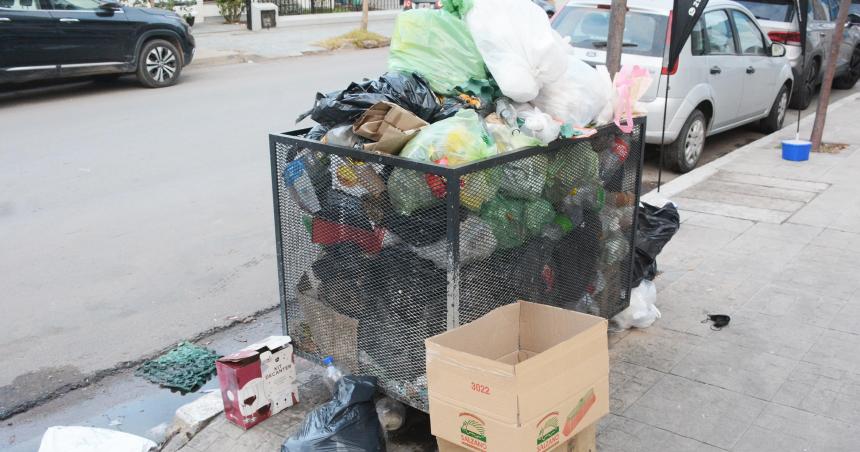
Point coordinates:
[[342, 208], [423, 227], [575, 260], [654, 228], [348, 423], [409, 91]]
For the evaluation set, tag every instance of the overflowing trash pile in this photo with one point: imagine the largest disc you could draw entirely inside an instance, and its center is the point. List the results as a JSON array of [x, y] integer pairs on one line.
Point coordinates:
[[373, 261]]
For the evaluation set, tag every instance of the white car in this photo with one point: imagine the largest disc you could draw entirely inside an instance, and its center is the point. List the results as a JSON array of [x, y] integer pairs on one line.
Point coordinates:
[[729, 73]]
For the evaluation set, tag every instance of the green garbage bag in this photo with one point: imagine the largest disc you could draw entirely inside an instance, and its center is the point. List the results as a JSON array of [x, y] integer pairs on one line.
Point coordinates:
[[436, 45], [571, 168], [525, 178], [458, 8], [459, 139], [408, 191], [536, 215], [505, 217]]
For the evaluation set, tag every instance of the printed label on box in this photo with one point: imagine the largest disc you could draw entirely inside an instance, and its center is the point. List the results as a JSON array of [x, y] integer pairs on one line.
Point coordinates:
[[473, 432], [548, 429], [579, 411]]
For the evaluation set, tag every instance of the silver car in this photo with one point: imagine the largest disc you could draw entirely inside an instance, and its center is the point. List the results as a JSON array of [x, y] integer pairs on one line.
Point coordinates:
[[779, 19], [729, 72]]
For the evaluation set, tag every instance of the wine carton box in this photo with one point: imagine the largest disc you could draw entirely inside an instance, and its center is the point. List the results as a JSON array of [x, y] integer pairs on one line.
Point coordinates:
[[524, 377]]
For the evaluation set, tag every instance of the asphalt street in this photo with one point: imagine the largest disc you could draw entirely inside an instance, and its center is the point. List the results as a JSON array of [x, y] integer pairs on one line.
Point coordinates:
[[134, 218]]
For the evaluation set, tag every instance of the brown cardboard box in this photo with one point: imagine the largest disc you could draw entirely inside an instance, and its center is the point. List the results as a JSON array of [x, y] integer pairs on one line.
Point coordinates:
[[524, 377]]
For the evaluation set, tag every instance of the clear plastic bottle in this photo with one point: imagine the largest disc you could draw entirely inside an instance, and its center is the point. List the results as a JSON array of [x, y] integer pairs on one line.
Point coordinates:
[[300, 187], [332, 374]]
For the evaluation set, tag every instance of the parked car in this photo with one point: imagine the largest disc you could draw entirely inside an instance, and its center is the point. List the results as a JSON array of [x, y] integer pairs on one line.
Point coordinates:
[[729, 73], [779, 19], [419, 4], [546, 5], [46, 39]]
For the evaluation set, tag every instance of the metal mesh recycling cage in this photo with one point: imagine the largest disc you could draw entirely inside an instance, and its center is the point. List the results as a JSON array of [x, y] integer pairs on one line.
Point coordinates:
[[377, 252]]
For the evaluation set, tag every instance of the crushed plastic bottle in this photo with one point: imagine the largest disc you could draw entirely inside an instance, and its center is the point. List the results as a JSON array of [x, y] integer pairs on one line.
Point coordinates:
[[613, 158], [300, 187], [391, 413], [506, 110], [332, 374]]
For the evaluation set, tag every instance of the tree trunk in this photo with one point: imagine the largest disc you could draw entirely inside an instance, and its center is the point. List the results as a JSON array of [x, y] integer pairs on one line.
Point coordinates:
[[615, 39], [826, 84], [365, 7]]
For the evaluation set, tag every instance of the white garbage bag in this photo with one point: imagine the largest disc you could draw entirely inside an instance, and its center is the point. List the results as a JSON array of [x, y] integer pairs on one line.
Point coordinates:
[[578, 97], [90, 439], [642, 311], [538, 124], [518, 45]]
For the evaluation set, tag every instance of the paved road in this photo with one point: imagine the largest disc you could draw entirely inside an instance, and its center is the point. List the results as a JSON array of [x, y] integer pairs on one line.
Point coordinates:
[[132, 218]]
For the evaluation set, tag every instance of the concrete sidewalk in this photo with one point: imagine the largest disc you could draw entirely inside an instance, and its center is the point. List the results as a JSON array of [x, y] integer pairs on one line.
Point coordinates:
[[219, 43], [769, 242]]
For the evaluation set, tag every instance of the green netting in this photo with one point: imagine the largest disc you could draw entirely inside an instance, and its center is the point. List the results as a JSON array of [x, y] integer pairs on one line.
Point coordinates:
[[185, 368]]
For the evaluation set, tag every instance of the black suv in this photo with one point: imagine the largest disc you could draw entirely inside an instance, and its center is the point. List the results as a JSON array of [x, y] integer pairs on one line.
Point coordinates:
[[43, 39]]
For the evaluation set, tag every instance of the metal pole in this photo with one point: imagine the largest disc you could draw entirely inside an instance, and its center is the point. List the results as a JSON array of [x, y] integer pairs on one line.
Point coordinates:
[[663, 134], [824, 97], [615, 38]]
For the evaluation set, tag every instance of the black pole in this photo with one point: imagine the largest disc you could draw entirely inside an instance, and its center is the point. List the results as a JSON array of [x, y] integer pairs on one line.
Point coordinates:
[[663, 134], [248, 14]]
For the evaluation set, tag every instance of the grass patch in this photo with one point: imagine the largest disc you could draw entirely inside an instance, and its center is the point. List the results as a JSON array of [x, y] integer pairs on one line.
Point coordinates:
[[355, 38]]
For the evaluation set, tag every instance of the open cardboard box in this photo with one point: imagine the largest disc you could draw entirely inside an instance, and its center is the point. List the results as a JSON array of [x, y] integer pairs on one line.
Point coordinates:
[[524, 377]]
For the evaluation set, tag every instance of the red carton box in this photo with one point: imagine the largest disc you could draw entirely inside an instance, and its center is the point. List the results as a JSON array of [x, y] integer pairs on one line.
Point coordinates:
[[258, 381]]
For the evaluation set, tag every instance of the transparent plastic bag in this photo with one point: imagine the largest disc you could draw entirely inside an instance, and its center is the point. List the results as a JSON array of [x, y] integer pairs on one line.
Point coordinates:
[[459, 139], [524, 178], [521, 50], [578, 97], [437, 45], [642, 311], [535, 123], [408, 191]]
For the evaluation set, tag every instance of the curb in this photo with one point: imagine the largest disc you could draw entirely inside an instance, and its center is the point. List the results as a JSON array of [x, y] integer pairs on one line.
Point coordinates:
[[703, 172]]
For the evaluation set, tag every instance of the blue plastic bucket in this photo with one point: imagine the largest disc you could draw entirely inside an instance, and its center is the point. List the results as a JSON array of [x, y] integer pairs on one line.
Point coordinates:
[[796, 150]]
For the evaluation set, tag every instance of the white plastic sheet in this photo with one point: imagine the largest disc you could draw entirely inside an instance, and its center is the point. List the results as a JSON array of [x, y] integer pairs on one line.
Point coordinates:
[[518, 45], [90, 439], [642, 311]]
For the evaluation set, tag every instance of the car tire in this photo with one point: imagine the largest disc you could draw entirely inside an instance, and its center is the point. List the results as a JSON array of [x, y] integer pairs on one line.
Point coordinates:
[[683, 155], [776, 118], [849, 78], [806, 88], [159, 64]]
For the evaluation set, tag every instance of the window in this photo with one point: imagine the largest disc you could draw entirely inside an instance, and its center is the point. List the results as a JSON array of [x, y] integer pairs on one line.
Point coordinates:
[[818, 9], [23, 5], [834, 9], [749, 35], [779, 11], [697, 39], [718, 30], [75, 5], [644, 34]]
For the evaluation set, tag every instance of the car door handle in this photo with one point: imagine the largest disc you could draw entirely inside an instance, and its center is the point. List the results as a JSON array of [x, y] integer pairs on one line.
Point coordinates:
[[750, 70], [716, 70], [5, 19], [66, 20]]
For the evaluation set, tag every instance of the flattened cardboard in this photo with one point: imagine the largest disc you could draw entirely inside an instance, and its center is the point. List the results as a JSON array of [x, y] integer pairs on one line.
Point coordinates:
[[390, 125], [520, 373]]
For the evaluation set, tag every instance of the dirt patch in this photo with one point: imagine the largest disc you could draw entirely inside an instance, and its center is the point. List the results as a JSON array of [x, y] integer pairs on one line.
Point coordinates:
[[832, 148]]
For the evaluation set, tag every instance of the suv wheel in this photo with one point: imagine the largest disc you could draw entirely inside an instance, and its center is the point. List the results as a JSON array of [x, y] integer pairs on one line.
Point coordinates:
[[806, 88], [159, 64], [684, 153], [849, 79], [776, 118]]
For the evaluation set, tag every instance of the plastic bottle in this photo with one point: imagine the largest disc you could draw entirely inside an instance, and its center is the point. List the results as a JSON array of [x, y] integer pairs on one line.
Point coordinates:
[[559, 227], [590, 196], [300, 187], [613, 158], [332, 374], [391, 413], [367, 177]]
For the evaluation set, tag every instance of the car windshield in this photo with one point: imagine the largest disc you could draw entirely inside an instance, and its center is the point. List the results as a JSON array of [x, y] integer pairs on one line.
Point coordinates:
[[775, 10], [644, 34]]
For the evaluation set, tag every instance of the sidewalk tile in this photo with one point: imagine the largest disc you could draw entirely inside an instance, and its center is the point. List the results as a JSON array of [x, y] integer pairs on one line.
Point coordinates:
[[628, 382], [820, 433], [758, 439], [627, 435], [736, 368], [832, 238], [764, 181], [836, 349], [787, 232], [775, 335], [797, 304], [655, 348], [733, 211], [790, 194], [720, 222], [742, 200], [847, 318], [696, 410], [821, 390]]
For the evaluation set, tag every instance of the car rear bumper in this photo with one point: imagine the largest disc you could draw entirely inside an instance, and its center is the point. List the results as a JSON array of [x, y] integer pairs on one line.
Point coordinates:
[[674, 120]]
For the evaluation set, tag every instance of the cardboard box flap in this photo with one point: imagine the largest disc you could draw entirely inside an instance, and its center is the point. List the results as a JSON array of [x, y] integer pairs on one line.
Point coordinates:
[[240, 357], [484, 343], [272, 343], [544, 327]]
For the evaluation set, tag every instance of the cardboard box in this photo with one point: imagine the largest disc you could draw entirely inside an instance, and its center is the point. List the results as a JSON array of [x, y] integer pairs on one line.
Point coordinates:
[[258, 381], [445, 446], [524, 377]]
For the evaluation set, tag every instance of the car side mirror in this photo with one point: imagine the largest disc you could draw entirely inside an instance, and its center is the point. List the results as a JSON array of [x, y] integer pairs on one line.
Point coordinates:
[[109, 6], [777, 50], [853, 19]]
